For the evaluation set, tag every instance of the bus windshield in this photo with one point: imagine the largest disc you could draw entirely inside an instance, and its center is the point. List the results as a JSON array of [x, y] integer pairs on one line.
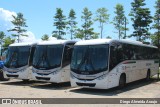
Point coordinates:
[[89, 59], [17, 56], [47, 56]]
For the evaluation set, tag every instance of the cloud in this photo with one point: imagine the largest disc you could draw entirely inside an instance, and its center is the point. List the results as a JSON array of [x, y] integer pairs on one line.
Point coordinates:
[[5, 19], [5, 24], [29, 38]]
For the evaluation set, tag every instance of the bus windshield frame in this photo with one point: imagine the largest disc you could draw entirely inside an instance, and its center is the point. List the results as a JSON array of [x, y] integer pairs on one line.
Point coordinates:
[[90, 59], [48, 56], [17, 56]]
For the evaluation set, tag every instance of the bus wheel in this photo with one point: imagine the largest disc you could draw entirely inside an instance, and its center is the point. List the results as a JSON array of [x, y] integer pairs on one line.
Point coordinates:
[[148, 75], [25, 80], [122, 81]]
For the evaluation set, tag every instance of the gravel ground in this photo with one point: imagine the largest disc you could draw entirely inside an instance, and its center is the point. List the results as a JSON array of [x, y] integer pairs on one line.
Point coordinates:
[[17, 89]]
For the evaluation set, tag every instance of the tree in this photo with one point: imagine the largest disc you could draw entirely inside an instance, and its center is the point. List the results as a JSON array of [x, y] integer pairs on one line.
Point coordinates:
[[102, 17], [95, 35], [45, 37], [59, 23], [19, 22], [7, 41], [120, 21], [72, 23], [79, 34], [2, 35], [141, 20], [156, 37], [87, 19]]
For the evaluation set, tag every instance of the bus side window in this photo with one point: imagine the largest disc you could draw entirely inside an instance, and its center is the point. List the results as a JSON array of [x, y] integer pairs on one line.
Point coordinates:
[[67, 54], [31, 56], [113, 57]]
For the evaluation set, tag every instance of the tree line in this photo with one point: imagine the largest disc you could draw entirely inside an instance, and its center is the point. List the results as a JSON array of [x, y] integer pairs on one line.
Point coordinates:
[[139, 15]]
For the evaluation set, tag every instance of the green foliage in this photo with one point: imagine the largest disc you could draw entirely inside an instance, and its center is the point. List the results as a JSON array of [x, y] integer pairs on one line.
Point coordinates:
[[8, 41], [95, 36], [87, 19], [45, 37], [72, 23], [120, 20], [79, 34], [2, 35], [59, 23], [102, 17], [141, 20], [19, 22], [108, 37], [156, 37]]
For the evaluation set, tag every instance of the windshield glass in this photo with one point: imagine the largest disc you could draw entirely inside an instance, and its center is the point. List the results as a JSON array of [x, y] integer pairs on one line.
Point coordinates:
[[47, 56], [89, 59], [17, 56]]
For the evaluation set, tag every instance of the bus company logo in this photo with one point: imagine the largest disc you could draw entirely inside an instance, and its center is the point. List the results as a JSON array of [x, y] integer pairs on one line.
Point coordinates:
[[6, 101]]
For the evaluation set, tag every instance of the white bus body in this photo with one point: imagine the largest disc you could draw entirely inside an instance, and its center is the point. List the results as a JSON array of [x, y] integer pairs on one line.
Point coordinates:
[[106, 63], [51, 62], [18, 62]]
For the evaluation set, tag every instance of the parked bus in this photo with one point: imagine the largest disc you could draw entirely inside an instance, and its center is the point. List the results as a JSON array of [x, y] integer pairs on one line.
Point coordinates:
[[18, 62], [51, 62], [107, 63]]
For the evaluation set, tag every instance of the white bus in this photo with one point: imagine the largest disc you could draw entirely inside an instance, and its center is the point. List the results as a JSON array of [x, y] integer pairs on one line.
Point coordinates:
[[51, 62], [106, 63], [18, 62]]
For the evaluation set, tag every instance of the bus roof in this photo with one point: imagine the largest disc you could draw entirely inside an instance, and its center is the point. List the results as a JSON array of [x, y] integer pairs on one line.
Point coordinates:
[[110, 41], [23, 44], [53, 42]]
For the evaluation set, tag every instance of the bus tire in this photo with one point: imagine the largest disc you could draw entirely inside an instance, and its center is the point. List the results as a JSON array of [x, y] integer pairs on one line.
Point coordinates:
[[148, 75], [122, 81]]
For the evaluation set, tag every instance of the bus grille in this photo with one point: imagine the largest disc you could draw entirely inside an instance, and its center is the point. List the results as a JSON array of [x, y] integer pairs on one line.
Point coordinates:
[[42, 78], [86, 84], [8, 75]]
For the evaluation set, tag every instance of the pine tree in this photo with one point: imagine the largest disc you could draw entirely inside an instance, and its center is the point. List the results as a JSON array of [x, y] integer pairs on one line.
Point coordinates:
[[72, 23], [87, 19], [19, 22], [59, 23], [102, 17], [79, 34], [120, 21], [141, 20], [156, 37]]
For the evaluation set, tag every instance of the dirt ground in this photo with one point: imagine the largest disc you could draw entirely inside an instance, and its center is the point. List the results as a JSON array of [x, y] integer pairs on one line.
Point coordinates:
[[33, 89]]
